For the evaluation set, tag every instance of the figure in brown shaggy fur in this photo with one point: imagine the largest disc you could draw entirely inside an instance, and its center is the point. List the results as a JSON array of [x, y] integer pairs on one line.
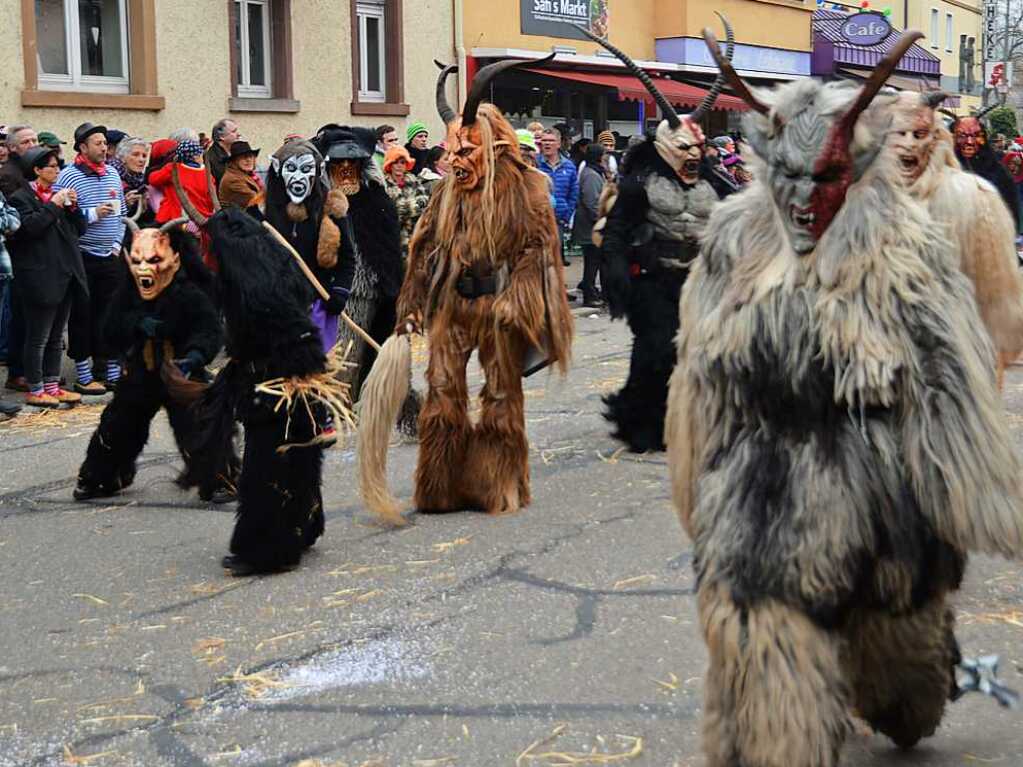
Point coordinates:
[[835, 440], [982, 232], [484, 274]]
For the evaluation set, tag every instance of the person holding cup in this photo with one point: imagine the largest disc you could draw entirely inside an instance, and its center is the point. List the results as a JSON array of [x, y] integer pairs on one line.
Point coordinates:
[[99, 196]]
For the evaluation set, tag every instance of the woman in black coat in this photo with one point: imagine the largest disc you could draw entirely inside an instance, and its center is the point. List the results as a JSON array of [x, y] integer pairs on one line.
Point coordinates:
[[49, 270]]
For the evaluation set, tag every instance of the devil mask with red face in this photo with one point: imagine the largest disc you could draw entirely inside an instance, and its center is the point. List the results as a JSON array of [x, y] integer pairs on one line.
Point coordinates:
[[806, 137], [970, 137]]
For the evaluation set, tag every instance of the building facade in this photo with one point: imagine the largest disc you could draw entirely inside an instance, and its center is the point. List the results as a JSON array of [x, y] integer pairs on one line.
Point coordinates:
[[275, 66]]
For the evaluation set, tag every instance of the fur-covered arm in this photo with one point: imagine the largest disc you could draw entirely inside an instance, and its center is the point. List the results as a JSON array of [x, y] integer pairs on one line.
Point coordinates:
[[205, 332], [628, 212], [956, 442]]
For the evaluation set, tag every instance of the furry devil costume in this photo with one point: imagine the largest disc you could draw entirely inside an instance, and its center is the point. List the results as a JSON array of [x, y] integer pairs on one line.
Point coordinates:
[[649, 239], [271, 338], [835, 439], [484, 273], [163, 321], [977, 221], [974, 152], [315, 222]]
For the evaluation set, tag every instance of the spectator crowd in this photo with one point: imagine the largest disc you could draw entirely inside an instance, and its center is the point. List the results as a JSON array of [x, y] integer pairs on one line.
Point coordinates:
[[62, 233]]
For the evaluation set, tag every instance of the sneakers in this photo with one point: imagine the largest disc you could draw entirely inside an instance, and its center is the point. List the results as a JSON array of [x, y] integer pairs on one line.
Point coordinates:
[[41, 399], [17, 383], [91, 389]]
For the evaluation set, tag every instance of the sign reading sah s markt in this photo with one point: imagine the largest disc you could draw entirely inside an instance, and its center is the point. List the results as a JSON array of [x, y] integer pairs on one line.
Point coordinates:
[[560, 18]]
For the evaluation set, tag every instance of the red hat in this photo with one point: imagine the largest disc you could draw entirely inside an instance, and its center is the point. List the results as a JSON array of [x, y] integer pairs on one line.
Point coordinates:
[[162, 149]]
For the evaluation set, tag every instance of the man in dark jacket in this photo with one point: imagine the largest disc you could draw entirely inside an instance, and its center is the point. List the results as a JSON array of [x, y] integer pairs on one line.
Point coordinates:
[[225, 133], [591, 184]]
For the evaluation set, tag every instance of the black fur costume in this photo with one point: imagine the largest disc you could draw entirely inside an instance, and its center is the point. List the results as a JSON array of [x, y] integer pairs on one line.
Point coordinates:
[[986, 165], [182, 319], [648, 244], [374, 222], [270, 335]]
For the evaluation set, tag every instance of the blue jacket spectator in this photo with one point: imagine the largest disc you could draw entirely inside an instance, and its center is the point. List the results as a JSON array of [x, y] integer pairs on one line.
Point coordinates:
[[563, 177]]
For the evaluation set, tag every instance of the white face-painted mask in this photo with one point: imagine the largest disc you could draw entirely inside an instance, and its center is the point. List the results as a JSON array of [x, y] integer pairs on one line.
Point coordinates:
[[681, 148], [299, 174]]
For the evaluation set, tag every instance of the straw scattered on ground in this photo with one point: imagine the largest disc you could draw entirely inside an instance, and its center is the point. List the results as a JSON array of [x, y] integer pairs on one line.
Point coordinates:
[[31, 421], [599, 754], [254, 685]]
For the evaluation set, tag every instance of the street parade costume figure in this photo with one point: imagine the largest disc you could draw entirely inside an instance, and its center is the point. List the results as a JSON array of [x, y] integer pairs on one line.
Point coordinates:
[[373, 217], [484, 274], [835, 439], [279, 383], [314, 220], [650, 238], [981, 232], [164, 323], [974, 152]]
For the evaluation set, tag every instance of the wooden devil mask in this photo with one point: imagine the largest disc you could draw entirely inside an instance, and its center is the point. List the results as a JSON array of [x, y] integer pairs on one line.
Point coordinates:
[[153, 262]]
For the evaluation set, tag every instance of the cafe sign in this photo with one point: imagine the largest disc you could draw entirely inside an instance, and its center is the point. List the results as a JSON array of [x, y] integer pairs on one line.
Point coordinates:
[[562, 18], [865, 29]]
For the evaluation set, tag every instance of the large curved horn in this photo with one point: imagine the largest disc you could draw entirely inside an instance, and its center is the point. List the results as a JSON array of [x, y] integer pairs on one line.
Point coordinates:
[[876, 80], [719, 82], [132, 224], [985, 110], [481, 82], [934, 99], [447, 114], [669, 111], [731, 76], [212, 190], [186, 203], [173, 224]]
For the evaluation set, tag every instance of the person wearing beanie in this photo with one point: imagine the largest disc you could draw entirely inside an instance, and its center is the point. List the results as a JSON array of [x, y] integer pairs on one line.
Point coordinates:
[[408, 192], [114, 138], [527, 145], [51, 141], [417, 146]]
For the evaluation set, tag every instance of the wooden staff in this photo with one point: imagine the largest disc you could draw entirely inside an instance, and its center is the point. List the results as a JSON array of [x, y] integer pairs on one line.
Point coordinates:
[[319, 288]]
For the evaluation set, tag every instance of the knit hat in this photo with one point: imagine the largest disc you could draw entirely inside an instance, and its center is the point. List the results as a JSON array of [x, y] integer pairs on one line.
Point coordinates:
[[721, 141], [162, 149], [526, 139], [414, 130], [115, 136], [396, 153], [606, 138]]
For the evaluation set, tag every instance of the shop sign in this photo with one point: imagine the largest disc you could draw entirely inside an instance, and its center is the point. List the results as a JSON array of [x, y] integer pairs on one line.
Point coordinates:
[[561, 18], [865, 29]]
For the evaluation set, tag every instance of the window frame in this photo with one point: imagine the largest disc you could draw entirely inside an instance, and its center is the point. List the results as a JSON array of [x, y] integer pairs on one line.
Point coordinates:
[[935, 31], [392, 52], [74, 80], [366, 10], [241, 10], [949, 31]]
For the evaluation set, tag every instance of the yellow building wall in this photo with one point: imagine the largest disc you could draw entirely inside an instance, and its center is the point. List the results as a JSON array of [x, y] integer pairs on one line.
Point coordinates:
[[632, 26], [756, 22], [966, 20], [193, 59]]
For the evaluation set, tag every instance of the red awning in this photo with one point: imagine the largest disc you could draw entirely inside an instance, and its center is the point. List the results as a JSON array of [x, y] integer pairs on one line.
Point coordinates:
[[631, 89]]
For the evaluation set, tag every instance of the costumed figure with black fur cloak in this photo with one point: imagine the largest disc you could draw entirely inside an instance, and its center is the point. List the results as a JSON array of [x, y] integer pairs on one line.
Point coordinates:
[[974, 152], [280, 384], [485, 275], [650, 237], [982, 234], [836, 442], [314, 221], [352, 173], [163, 321]]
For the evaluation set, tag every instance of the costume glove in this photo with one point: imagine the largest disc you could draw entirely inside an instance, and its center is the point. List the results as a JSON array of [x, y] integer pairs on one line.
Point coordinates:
[[151, 327], [338, 301], [190, 362]]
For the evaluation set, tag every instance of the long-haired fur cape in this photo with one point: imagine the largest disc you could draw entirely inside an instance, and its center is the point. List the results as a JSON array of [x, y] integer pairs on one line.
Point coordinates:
[[833, 422], [973, 217]]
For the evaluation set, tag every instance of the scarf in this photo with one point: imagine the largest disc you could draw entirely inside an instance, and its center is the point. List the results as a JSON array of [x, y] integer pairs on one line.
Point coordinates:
[[87, 166], [186, 153], [44, 195], [132, 181]]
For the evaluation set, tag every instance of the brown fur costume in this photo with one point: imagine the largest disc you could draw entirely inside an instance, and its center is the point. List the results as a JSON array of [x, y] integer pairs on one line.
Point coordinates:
[[978, 223], [835, 440], [490, 221]]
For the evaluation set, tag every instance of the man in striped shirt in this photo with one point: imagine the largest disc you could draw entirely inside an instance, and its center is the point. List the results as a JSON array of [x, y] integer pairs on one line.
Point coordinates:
[[100, 197]]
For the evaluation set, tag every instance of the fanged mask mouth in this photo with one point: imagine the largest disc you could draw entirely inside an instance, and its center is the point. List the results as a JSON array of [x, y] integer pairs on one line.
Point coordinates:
[[146, 283], [909, 163], [461, 174], [803, 218], [691, 167]]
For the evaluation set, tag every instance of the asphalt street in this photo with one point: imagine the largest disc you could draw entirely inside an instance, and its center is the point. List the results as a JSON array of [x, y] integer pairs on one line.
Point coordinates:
[[565, 634]]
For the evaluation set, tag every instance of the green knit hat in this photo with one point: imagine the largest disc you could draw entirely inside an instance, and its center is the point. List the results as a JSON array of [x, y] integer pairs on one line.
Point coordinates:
[[414, 130]]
